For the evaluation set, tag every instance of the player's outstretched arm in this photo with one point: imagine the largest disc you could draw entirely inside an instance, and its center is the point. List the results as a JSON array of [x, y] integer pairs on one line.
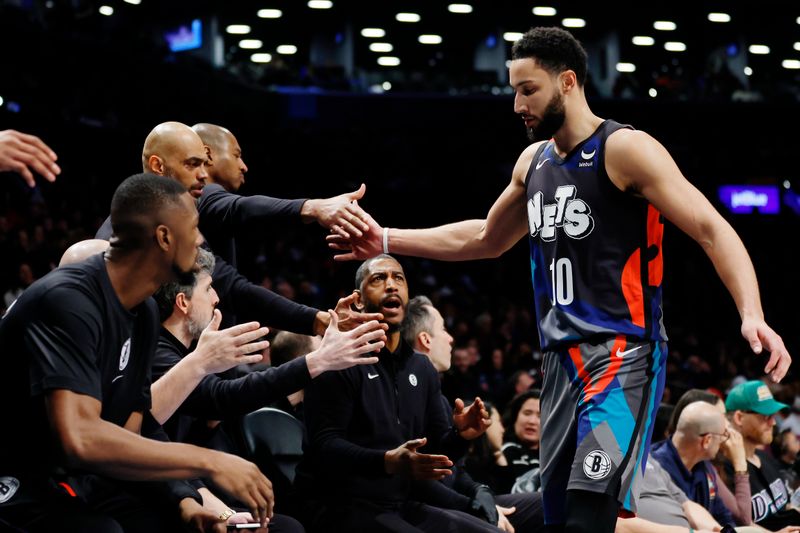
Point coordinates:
[[505, 224]]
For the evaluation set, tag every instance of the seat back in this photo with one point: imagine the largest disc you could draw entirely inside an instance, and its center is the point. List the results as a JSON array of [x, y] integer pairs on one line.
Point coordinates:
[[274, 440]]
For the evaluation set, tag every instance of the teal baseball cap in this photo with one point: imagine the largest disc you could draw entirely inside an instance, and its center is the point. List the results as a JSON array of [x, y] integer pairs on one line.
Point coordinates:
[[753, 396]]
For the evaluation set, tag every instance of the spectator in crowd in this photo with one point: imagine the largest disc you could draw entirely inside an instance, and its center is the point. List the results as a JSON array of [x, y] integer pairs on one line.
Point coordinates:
[[733, 453], [700, 431], [521, 443], [785, 449], [424, 330], [665, 508], [751, 410]]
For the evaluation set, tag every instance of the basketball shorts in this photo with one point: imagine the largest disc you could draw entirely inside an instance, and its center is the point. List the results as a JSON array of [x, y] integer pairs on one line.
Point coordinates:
[[598, 406]]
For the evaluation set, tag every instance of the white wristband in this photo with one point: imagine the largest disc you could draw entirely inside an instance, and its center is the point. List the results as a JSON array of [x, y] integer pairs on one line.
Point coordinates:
[[386, 240]]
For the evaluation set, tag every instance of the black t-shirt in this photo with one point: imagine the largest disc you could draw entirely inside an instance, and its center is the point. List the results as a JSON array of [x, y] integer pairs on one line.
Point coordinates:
[[69, 331], [770, 495]]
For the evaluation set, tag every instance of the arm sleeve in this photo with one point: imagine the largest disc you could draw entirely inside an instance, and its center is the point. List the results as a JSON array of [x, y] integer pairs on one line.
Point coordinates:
[[216, 398], [63, 340], [253, 302], [739, 503], [675, 491], [439, 495], [719, 510], [442, 434], [329, 404], [231, 212]]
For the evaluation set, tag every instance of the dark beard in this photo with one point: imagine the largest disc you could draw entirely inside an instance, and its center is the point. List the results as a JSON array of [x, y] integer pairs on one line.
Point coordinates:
[[376, 308], [552, 120]]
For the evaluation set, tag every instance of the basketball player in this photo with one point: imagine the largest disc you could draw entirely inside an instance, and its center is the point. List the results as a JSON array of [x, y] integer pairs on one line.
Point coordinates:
[[593, 193]]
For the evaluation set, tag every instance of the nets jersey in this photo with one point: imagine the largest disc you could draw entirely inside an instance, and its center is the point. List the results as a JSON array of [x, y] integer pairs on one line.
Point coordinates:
[[595, 251]]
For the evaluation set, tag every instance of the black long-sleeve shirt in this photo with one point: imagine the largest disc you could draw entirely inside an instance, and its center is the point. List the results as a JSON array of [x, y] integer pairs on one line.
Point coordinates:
[[354, 416], [224, 214], [241, 300], [216, 398]]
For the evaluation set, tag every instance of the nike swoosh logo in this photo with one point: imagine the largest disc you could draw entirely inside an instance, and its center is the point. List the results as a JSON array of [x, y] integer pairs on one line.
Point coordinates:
[[540, 163], [620, 353], [116, 378], [588, 156], [372, 376]]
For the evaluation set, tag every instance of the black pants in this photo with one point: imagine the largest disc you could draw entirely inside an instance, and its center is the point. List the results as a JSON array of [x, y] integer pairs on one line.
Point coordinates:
[[408, 517], [529, 514]]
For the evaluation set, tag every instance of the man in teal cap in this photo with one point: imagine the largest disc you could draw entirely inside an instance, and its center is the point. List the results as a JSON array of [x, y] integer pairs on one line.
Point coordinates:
[[751, 409]]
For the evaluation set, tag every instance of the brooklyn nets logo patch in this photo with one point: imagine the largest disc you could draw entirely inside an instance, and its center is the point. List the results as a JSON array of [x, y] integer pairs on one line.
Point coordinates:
[[596, 464]]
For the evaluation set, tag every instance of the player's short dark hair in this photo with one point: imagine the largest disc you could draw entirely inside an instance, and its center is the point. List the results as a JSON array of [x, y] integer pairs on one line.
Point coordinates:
[[361, 273], [554, 49], [137, 207], [287, 346], [418, 318], [166, 294]]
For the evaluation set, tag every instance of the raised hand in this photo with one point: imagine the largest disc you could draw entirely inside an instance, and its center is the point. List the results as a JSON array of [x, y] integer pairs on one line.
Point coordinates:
[[343, 349], [472, 421], [21, 153], [348, 317], [369, 244], [340, 214], [407, 461], [217, 351], [760, 336]]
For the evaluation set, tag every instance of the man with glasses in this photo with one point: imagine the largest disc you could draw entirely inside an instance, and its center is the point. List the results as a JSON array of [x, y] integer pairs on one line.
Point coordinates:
[[751, 410], [700, 432]]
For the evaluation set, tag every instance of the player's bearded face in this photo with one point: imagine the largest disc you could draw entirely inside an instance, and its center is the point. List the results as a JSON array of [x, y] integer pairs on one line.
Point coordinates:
[[552, 120]]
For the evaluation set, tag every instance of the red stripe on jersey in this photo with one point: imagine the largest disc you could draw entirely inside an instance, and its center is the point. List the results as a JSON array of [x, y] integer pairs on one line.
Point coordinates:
[[655, 234], [603, 381], [69, 490], [577, 360], [632, 288]]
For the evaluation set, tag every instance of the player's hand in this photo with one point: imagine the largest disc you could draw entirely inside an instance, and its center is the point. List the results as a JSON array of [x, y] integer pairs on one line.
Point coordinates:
[[761, 336], [368, 245], [407, 461], [502, 522], [343, 349], [471, 422], [350, 318], [243, 480], [23, 153], [340, 214], [218, 351]]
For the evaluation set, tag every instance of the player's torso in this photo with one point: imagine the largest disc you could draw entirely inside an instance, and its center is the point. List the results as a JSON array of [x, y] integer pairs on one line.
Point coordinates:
[[595, 250]]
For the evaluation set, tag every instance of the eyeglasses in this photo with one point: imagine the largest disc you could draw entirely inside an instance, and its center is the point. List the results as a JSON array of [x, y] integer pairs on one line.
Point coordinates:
[[723, 436], [763, 418]]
